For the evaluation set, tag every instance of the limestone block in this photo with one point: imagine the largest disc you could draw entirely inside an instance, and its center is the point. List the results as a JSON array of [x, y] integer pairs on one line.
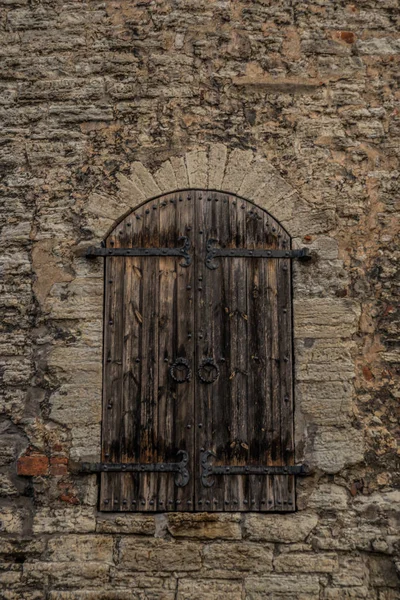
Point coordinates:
[[81, 298], [355, 593], [165, 177], [334, 448], [158, 555], [280, 528], [78, 365], [197, 168], [48, 269], [352, 572], [130, 194], [383, 572], [282, 584], [109, 207], [326, 402], [306, 563], [66, 574], [325, 317], [126, 523], [256, 178], [103, 594], [328, 496], [323, 360], [236, 168], [205, 525], [144, 180], [72, 519], [179, 165], [310, 222], [64, 548], [12, 519], [86, 442], [233, 557], [73, 404], [198, 589], [216, 166], [274, 194]]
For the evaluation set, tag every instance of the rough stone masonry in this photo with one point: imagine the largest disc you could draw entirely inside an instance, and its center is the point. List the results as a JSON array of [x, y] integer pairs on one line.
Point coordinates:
[[291, 103]]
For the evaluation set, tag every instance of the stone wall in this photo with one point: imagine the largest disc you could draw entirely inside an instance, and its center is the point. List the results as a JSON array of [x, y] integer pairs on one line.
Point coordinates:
[[291, 104]]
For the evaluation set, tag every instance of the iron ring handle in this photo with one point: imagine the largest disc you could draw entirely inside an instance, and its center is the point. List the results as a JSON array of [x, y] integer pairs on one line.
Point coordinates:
[[201, 371], [179, 365]]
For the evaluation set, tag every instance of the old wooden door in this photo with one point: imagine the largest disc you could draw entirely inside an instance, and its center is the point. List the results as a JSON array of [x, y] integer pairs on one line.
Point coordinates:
[[198, 393]]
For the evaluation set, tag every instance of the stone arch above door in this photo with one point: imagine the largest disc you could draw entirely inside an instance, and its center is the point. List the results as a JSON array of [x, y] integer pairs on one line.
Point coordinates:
[[214, 167]]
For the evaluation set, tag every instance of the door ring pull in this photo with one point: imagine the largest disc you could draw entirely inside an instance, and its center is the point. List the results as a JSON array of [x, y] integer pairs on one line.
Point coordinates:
[[180, 371], [208, 371]]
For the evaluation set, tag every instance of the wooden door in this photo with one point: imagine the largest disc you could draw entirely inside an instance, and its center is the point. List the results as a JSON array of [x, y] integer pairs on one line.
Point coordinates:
[[198, 358], [148, 386]]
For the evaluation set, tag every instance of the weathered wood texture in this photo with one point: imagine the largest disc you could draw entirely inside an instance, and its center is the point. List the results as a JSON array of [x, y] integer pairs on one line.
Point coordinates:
[[235, 320]]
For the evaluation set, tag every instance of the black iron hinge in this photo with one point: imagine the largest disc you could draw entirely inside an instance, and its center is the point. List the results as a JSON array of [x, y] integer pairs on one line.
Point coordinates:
[[208, 469], [180, 468], [183, 251], [213, 252]]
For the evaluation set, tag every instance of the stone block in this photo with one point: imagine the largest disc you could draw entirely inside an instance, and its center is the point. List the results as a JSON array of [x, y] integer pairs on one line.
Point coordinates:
[[64, 548], [66, 574], [126, 523], [282, 584], [72, 519], [325, 318], [238, 164], [165, 177], [256, 178], [323, 360], [205, 525], [327, 496], [198, 589], [326, 402], [113, 207], [13, 519], [333, 448], [305, 562], [144, 180], [280, 528], [158, 555], [179, 165], [197, 168], [236, 557], [130, 194], [216, 166]]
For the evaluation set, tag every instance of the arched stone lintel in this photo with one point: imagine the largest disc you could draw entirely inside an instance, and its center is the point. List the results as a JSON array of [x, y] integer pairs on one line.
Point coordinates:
[[215, 167]]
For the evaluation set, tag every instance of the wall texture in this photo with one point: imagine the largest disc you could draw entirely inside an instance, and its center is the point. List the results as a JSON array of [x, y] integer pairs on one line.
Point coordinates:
[[292, 104]]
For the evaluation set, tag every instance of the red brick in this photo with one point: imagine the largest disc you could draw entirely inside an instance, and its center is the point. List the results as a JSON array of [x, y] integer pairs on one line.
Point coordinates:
[[35, 464]]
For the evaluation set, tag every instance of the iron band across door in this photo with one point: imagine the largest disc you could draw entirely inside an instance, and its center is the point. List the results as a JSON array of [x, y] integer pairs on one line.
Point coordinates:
[[212, 252], [183, 251], [208, 469], [180, 468]]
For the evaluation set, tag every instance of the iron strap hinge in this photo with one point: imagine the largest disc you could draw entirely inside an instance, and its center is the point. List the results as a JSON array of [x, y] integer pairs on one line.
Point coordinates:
[[180, 468], [213, 252], [183, 251], [207, 469]]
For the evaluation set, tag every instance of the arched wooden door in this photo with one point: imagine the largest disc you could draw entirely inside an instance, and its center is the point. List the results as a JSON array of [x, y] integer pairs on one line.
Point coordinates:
[[198, 389]]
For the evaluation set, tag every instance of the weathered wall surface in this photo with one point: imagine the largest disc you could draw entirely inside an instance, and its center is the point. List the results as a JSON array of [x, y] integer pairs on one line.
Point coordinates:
[[292, 104]]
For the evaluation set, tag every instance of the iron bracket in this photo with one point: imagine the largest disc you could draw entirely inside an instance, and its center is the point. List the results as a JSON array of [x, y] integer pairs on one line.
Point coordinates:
[[213, 253], [208, 469], [180, 468], [93, 251]]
